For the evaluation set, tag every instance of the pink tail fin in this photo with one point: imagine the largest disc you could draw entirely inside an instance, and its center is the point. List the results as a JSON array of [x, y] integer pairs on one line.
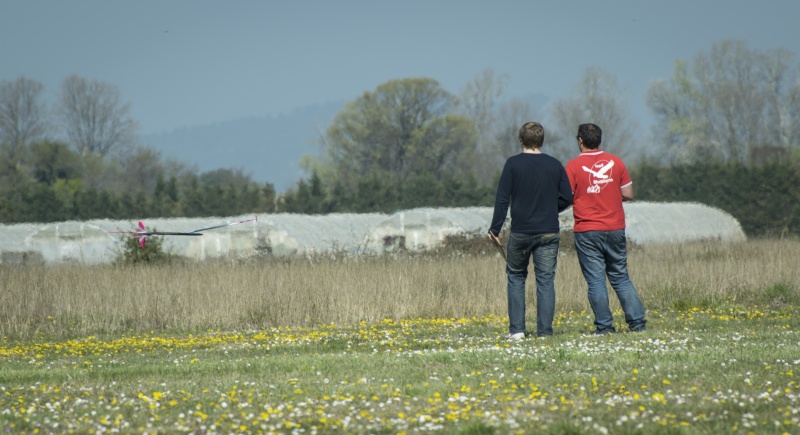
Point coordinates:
[[143, 237]]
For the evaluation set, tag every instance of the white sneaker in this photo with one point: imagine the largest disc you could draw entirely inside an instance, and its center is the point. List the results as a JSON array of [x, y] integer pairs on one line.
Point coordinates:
[[516, 337]]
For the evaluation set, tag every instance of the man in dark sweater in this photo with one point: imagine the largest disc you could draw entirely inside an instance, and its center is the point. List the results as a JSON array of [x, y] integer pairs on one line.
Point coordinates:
[[537, 188]]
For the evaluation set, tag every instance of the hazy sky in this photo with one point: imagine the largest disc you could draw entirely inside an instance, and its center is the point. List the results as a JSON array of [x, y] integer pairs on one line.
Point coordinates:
[[189, 62]]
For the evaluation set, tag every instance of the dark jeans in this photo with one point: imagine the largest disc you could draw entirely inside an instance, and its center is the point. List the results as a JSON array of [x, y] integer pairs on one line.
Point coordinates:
[[604, 254], [544, 250]]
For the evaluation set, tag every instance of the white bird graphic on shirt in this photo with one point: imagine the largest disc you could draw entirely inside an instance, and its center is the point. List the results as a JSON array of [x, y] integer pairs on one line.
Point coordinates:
[[602, 172]]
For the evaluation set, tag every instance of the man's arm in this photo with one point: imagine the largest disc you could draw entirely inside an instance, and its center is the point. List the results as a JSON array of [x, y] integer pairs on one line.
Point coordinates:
[[501, 201], [627, 192], [564, 192]]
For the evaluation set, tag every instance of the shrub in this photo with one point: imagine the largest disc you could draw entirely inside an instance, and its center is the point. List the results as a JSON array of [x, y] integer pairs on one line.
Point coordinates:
[[151, 253]]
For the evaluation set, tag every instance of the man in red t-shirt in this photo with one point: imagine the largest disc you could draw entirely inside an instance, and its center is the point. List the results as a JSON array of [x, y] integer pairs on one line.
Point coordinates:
[[600, 183]]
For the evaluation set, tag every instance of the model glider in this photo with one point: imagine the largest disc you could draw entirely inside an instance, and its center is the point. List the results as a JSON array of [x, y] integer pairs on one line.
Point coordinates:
[[143, 234]]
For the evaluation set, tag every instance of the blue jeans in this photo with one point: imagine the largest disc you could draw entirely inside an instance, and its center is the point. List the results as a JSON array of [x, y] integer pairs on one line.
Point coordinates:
[[604, 254], [544, 249]]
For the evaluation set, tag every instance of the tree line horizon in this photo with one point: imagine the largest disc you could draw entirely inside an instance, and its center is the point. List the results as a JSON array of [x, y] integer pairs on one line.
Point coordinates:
[[725, 134]]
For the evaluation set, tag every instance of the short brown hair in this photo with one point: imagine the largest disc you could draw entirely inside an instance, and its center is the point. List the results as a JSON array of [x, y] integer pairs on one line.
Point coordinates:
[[531, 135]]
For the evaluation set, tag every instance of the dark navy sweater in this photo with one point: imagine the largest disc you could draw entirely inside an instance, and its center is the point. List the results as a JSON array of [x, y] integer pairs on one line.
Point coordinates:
[[537, 188]]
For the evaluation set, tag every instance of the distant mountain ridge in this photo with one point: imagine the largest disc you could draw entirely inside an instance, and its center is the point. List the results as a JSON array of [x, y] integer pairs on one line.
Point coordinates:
[[269, 149]]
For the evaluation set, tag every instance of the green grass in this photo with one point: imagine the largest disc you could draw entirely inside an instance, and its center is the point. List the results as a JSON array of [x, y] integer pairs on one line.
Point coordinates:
[[714, 370], [400, 344]]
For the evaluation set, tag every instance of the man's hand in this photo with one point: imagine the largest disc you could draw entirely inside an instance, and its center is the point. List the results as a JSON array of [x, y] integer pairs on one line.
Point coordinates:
[[627, 193], [496, 241]]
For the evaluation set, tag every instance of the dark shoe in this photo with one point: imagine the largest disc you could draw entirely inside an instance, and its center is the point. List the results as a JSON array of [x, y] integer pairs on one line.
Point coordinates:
[[604, 331], [642, 329]]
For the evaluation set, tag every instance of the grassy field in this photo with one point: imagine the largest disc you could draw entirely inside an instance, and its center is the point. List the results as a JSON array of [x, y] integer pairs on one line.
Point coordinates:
[[400, 344]]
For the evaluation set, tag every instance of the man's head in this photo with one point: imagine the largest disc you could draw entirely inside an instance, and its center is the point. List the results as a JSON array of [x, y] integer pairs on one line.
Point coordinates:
[[590, 136], [531, 135]]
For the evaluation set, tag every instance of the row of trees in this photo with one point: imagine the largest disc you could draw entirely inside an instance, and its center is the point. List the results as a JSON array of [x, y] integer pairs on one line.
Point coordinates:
[[408, 143], [764, 198], [59, 193], [373, 193], [734, 104], [79, 159], [226, 193]]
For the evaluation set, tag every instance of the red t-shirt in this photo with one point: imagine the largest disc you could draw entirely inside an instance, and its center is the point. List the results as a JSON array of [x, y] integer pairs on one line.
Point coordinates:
[[596, 178]]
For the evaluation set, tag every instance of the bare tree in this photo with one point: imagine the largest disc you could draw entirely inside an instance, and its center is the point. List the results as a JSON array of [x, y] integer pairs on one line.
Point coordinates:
[[496, 121], [478, 100], [731, 104], [505, 132], [95, 118], [596, 99], [22, 115]]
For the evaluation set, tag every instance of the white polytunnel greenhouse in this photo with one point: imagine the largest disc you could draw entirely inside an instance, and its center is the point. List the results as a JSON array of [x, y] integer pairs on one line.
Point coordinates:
[[675, 222], [283, 235], [425, 228]]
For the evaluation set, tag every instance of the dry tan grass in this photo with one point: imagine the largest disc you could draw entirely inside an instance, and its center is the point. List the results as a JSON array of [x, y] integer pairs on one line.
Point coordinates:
[[758, 271], [77, 300]]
